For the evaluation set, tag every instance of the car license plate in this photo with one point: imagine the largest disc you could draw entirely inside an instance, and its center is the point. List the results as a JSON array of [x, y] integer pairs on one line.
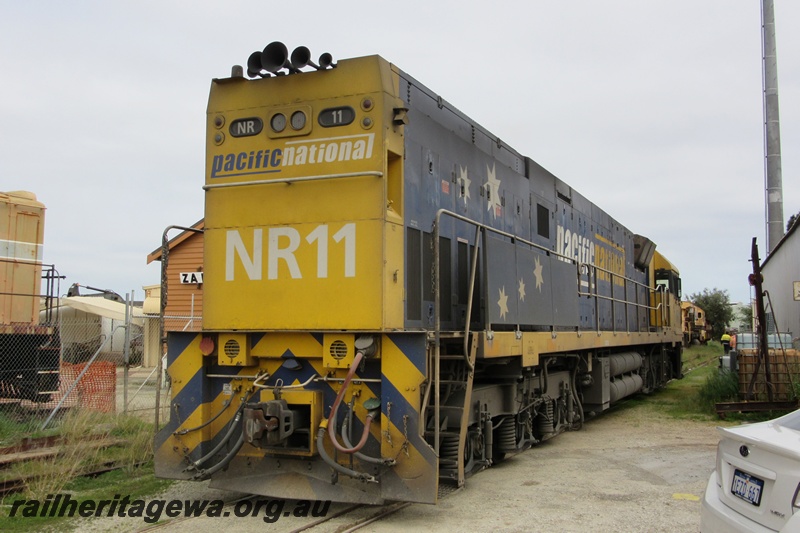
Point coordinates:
[[747, 487]]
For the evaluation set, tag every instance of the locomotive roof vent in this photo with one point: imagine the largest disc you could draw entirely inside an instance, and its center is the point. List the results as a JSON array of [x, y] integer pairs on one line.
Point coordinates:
[[275, 57]]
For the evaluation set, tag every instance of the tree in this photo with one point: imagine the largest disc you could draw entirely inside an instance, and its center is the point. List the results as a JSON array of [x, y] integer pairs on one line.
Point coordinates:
[[791, 222], [718, 308], [746, 318]]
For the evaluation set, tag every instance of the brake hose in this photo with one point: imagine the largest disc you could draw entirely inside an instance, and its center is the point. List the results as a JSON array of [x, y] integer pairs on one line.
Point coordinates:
[[335, 409], [336, 466], [205, 474], [363, 457]]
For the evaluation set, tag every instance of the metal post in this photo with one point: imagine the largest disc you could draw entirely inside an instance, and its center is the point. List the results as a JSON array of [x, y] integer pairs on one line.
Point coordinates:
[[756, 279], [470, 295], [772, 129], [161, 336], [613, 306], [191, 317], [126, 351], [625, 303], [593, 281], [437, 334]]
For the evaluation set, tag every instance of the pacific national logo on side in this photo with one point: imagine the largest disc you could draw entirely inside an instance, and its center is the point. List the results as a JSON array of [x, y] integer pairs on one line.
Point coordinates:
[[293, 153], [598, 251]]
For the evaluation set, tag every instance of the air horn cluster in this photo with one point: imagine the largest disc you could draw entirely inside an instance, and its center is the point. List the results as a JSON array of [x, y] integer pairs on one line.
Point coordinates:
[[275, 57]]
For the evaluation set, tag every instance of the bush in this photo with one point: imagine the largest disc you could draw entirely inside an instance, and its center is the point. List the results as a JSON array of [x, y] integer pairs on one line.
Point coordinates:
[[722, 386]]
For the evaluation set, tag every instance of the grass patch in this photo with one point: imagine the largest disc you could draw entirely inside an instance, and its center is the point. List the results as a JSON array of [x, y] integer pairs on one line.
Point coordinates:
[[137, 483], [64, 473], [680, 398], [81, 450], [701, 355], [694, 397], [13, 431], [721, 386]]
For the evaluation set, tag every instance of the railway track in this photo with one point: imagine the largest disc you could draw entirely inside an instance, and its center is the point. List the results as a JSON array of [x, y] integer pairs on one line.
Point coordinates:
[[354, 518], [42, 448], [28, 444], [39, 447], [346, 519], [10, 486], [378, 513]]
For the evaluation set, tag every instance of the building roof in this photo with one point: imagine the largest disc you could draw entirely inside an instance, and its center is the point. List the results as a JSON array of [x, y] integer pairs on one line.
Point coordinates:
[[780, 242], [102, 307]]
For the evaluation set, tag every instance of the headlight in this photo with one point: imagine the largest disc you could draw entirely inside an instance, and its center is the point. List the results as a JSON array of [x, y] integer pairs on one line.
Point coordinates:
[[278, 122], [298, 120]]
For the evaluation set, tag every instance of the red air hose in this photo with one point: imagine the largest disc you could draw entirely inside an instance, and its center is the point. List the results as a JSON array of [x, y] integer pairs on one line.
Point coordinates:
[[335, 408]]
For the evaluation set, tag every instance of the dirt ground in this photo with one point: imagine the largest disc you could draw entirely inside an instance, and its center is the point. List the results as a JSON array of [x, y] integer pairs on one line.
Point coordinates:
[[624, 472]]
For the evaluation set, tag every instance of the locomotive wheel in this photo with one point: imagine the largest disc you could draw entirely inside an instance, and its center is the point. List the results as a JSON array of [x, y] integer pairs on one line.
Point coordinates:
[[469, 455]]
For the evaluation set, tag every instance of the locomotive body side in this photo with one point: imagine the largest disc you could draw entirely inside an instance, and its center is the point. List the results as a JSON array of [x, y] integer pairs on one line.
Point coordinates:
[[379, 269]]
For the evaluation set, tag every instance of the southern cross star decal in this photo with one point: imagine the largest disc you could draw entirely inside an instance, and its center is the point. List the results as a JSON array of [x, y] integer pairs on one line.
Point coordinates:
[[503, 303], [521, 290], [537, 272], [464, 182], [492, 192]]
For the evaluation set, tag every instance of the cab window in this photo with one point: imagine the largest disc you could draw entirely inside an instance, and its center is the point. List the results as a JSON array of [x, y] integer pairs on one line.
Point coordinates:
[[670, 280]]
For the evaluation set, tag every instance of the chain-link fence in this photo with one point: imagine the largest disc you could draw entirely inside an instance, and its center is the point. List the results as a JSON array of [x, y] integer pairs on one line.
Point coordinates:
[[183, 323], [85, 359]]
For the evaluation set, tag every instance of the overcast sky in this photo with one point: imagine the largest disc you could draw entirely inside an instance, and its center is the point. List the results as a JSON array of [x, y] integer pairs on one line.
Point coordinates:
[[650, 109]]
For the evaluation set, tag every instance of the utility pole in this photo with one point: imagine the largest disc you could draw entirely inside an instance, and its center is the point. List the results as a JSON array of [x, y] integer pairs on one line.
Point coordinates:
[[772, 130]]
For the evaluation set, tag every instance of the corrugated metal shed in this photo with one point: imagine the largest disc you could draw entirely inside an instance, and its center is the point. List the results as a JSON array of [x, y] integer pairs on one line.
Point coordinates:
[[781, 271]]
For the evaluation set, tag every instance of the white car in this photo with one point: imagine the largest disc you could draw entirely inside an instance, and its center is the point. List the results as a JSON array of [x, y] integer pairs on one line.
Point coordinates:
[[756, 485]]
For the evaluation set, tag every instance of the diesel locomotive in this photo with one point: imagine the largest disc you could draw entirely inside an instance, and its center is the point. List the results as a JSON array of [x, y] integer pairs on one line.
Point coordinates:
[[393, 298]]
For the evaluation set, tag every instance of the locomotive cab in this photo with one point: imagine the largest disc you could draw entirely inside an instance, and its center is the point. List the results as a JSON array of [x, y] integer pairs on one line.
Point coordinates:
[[667, 297]]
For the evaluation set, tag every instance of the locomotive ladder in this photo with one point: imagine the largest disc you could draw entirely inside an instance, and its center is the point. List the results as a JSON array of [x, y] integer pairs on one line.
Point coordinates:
[[462, 430], [458, 377], [461, 368]]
